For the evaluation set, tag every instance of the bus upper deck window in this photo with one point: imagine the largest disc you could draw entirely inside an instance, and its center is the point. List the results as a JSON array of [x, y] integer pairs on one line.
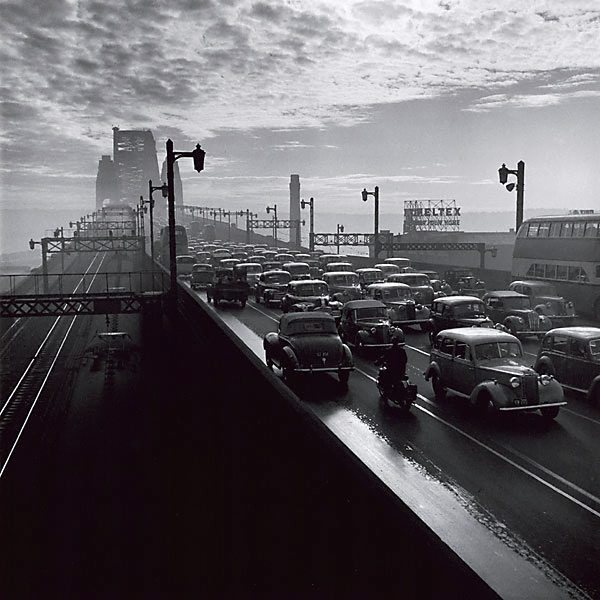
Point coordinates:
[[592, 229], [578, 228], [555, 229], [533, 229], [567, 229]]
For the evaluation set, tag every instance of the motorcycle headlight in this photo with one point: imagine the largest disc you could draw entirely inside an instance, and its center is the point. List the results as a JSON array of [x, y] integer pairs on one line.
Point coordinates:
[[545, 379], [515, 382]]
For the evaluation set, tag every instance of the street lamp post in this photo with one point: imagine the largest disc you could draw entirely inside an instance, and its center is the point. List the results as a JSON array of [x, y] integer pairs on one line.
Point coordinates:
[[249, 216], [274, 210], [340, 229], [375, 195], [44, 244], [172, 156], [311, 231], [227, 213], [165, 194], [503, 173]]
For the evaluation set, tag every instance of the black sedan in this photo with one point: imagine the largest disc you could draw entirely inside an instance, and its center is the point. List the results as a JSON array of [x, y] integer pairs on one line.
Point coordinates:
[[308, 343]]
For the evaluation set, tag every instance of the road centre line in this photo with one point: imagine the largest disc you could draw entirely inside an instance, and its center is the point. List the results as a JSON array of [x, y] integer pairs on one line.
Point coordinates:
[[505, 458]]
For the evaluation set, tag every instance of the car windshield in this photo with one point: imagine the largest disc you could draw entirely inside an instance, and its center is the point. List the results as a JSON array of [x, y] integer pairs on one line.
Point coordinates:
[[415, 280], [470, 309], [517, 302], [311, 289], [350, 279], [399, 293], [202, 269], [595, 349], [373, 312], [253, 268], [277, 278], [186, 260], [298, 269], [313, 326], [372, 276], [493, 350]]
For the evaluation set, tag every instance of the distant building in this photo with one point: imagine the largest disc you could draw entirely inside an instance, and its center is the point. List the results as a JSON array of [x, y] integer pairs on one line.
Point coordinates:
[[107, 186]]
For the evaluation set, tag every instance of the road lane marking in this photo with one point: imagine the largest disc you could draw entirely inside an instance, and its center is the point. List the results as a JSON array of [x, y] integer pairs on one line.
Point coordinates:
[[505, 458]]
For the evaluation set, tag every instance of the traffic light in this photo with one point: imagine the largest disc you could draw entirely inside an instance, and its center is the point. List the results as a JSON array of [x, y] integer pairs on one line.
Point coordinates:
[[198, 155]]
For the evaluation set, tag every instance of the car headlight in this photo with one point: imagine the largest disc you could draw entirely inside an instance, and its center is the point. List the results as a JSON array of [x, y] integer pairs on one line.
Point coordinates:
[[545, 379], [520, 320], [373, 330], [569, 304], [418, 306], [515, 382]]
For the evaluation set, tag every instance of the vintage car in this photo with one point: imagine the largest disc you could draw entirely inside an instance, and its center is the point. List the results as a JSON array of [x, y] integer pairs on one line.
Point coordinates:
[[367, 276], [451, 276], [513, 312], [203, 274], [325, 259], [418, 283], [227, 288], [470, 286], [202, 258], [365, 324], [572, 355], [271, 286], [387, 269], [271, 265], [284, 257], [343, 285], [228, 263], [305, 295], [546, 301], [431, 274], [440, 288], [336, 267], [248, 271], [308, 343], [185, 262], [402, 308], [297, 270], [487, 367], [400, 262], [257, 258], [457, 311]]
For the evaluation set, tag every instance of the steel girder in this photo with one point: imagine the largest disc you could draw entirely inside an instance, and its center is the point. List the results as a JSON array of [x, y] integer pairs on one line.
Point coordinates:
[[95, 244], [76, 304], [270, 224]]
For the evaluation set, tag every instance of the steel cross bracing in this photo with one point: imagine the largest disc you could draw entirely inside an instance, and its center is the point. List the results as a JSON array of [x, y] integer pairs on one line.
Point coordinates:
[[435, 246], [77, 304], [104, 225], [270, 223], [349, 239], [126, 243]]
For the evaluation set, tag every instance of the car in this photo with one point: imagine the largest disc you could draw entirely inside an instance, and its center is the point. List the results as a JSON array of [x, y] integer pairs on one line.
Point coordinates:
[[343, 285], [297, 270], [487, 367], [271, 286], [546, 301], [440, 288], [431, 274], [203, 275], [514, 313], [451, 312], [387, 269], [367, 276], [451, 276], [365, 324], [305, 295], [248, 271], [470, 286], [308, 343], [185, 262], [402, 308], [419, 284], [572, 355]]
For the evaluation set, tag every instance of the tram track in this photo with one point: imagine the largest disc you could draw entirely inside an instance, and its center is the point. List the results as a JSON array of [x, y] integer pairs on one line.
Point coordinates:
[[16, 410]]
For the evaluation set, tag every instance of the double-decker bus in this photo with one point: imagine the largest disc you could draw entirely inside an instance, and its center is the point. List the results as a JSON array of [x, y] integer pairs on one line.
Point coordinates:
[[563, 251], [181, 243]]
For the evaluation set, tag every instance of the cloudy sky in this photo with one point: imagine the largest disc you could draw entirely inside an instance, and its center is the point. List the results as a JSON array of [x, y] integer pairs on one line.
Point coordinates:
[[424, 98]]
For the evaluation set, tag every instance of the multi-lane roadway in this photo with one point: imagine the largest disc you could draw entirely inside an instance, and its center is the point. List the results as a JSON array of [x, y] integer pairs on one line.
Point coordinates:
[[534, 483]]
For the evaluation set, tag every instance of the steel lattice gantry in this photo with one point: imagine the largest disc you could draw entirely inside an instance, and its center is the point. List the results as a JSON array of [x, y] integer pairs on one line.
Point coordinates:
[[350, 239], [58, 305], [126, 243], [270, 223]]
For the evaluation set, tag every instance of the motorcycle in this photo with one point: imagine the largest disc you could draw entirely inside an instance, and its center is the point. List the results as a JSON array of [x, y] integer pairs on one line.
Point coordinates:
[[400, 393]]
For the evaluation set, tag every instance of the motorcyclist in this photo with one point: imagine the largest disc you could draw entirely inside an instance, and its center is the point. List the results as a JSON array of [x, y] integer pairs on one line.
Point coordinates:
[[394, 359]]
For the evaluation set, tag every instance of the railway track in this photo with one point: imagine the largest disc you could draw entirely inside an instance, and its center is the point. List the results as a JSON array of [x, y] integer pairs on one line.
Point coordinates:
[[17, 408]]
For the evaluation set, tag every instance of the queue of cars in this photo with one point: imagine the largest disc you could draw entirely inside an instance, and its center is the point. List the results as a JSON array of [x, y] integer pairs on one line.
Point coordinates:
[[475, 335]]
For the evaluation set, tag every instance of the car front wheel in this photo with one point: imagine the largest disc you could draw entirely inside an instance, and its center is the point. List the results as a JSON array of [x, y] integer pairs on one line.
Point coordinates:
[[550, 413]]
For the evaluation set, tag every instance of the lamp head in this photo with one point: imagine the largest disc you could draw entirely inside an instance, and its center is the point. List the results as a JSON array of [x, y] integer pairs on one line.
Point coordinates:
[[510, 186], [365, 194], [503, 174], [164, 190]]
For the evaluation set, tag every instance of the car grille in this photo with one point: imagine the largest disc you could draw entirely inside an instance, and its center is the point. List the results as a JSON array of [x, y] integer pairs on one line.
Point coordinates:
[[534, 321], [410, 311], [531, 389]]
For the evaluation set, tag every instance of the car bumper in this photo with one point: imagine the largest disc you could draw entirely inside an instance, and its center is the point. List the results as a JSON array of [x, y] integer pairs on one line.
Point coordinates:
[[531, 406], [322, 369], [411, 322]]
